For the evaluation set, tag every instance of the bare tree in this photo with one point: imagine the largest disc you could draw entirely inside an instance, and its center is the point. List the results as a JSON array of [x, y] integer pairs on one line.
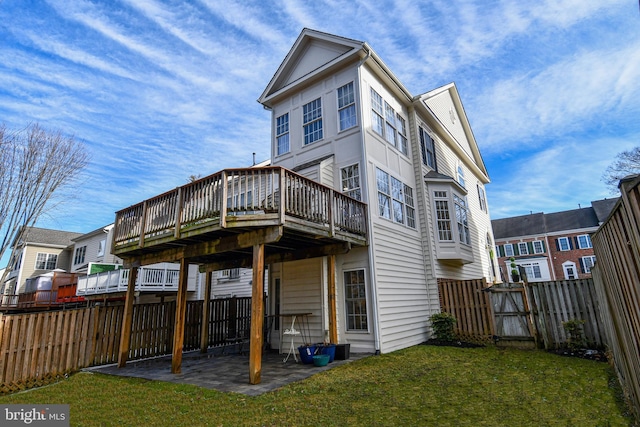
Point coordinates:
[[626, 163], [35, 165]]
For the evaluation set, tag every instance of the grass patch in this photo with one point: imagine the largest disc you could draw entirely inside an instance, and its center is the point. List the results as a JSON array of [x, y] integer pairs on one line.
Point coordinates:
[[421, 385]]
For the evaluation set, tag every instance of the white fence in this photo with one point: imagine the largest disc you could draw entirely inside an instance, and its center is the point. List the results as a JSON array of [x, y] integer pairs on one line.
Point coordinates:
[[163, 278]]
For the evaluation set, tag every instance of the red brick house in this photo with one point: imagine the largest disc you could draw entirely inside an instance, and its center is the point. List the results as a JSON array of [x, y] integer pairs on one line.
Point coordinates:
[[553, 246]]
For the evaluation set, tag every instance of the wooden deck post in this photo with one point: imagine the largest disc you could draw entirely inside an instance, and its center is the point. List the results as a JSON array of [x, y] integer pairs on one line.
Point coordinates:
[[204, 327], [333, 320], [125, 334], [181, 310], [257, 315]]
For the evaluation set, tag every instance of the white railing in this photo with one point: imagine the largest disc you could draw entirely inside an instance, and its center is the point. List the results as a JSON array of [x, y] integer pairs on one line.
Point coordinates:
[[148, 280]]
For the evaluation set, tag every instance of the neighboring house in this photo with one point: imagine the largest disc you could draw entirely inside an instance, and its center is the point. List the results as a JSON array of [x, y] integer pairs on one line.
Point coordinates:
[[39, 252], [342, 118], [555, 246], [94, 247]]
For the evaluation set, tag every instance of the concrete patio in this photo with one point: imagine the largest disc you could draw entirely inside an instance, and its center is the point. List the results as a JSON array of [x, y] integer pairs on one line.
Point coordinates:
[[226, 373]]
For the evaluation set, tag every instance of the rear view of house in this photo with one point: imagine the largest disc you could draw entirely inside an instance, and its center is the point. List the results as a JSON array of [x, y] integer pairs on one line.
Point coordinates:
[[341, 117]]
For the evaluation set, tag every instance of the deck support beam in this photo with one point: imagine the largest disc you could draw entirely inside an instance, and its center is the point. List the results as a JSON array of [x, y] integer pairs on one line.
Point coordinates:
[[333, 320], [257, 315], [125, 334], [181, 310], [204, 330]]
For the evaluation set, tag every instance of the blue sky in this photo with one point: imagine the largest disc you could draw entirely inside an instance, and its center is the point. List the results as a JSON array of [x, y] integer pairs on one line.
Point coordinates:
[[161, 90]]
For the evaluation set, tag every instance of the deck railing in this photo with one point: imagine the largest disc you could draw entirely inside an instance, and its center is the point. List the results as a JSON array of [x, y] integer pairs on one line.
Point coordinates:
[[236, 193], [149, 279]]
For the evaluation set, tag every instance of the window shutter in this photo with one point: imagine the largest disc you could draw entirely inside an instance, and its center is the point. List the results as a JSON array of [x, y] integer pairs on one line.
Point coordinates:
[[582, 270], [516, 251], [544, 249], [501, 251], [573, 245], [530, 247], [558, 245]]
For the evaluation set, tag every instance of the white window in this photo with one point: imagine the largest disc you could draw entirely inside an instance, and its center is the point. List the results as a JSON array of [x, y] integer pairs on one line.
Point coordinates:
[[587, 263], [80, 253], [482, 198], [350, 177], [569, 269], [377, 113], [312, 121], [523, 249], [346, 106], [532, 270], [390, 126], [462, 220], [402, 134], [282, 134], [46, 261], [393, 201], [563, 244], [230, 273], [427, 147], [584, 241], [538, 247], [101, 246], [461, 180], [355, 300], [443, 216], [508, 250]]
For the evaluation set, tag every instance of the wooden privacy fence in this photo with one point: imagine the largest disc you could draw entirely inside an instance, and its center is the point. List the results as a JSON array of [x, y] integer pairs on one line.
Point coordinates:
[[466, 301], [553, 303], [36, 348], [533, 312], [616, 245]]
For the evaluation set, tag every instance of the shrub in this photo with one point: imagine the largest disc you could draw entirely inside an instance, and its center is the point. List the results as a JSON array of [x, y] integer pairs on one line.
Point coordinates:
[[442, 324], [575, 332]]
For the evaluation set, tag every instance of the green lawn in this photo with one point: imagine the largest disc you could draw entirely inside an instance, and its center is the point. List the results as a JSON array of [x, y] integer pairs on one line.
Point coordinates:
[[418, 386]]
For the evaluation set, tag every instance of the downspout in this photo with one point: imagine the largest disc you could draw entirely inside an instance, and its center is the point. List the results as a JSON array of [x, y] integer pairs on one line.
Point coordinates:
[[553, 269], [365, 182]]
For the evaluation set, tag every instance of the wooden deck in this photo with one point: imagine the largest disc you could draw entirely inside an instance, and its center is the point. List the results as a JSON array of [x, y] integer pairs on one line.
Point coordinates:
[[216, 220]]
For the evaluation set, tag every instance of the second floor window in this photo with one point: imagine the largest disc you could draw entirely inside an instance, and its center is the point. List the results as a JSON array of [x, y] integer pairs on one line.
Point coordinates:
[[312, 121], [101, 246], [346, 106], [46, 261], [461, 219], [395, 199], [390, 126], [482, 198], [282, 134], [508, 250], [427, 146], [350, 177], [584, 241], [523, 249], [563, 244], [78, 258], [538, 247]]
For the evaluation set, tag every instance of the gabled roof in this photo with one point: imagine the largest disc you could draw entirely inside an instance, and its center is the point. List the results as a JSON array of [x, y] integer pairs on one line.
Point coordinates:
[[312, 53], [45, 236], [541, 223], [431, 103]]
